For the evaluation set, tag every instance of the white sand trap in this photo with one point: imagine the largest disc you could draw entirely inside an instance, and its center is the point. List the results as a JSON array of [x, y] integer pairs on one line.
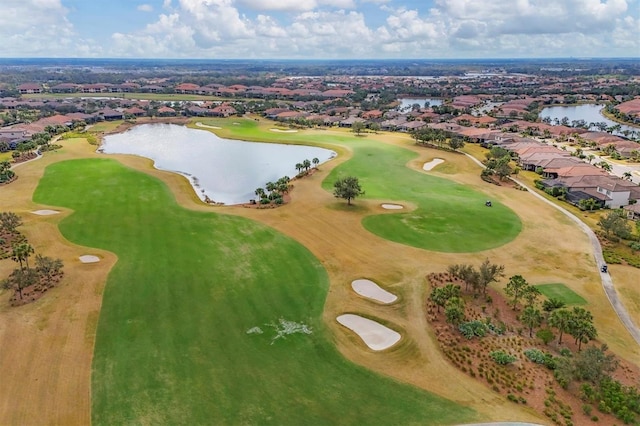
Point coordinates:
[[431, 164], [284, 131], [392, 206], [199, 124], [373, 291], [45, 212], [375, 335], [88, 258]]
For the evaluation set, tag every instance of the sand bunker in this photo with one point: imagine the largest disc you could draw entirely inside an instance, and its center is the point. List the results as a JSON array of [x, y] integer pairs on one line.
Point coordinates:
[[392, 206], [45, 212], [199, 124], [431, 164], [375, 335], [87, 258], [371, 290], [284, 131]]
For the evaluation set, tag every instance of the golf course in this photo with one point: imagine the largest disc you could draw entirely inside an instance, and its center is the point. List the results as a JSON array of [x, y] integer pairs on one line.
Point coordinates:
[[200, 314]]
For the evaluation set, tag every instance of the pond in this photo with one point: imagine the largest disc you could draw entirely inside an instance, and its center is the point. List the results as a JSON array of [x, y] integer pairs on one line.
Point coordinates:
[[590, 113], [407, 103], [226, 171]]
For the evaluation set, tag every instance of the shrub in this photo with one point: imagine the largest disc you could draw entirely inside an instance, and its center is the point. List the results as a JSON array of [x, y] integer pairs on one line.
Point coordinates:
[[566, 352], [545, 335], [611, 257], [473, 329], [535, 355], [502, 358]]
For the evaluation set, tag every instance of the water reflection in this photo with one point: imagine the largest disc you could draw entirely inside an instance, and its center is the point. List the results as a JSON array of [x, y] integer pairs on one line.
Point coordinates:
[[226, 171]]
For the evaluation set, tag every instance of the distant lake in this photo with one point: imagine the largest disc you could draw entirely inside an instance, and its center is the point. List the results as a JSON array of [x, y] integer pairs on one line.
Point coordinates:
[[407, 103], [590, 113], [227, 171]]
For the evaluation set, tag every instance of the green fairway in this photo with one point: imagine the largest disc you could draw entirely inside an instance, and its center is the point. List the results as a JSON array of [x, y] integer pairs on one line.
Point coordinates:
[[172, 342], [450, 217], [561, 292]]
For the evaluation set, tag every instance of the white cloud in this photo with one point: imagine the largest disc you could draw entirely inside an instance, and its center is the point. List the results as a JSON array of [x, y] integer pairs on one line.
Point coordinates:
[[335, 29], [296, 5], [38, 28]]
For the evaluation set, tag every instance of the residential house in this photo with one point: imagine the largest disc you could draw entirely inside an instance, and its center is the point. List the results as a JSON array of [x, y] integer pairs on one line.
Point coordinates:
[[30, 88], [223, 110]]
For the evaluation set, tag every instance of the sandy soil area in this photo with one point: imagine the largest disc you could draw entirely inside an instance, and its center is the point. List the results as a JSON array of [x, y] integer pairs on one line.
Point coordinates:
[[46, 373], [45, 212], [429, 165], [392, 206], [371, 290], [206, 126], [284, 131], [375, 335]]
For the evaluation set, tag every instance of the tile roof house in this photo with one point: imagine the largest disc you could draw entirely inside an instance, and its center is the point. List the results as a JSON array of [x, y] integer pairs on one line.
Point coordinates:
[[224, 110], [29, 88], [609, 191]]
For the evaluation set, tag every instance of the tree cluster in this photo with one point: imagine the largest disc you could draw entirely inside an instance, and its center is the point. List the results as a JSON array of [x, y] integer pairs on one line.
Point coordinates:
[[273, 192], [615, 224], [43, 275]]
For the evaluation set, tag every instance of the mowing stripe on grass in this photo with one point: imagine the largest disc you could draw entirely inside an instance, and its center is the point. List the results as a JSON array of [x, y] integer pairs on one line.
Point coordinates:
[[450, 217], [561, 292], [172, 343]]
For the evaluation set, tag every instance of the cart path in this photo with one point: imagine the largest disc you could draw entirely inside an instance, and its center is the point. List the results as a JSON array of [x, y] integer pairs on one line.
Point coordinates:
[[607, 282]]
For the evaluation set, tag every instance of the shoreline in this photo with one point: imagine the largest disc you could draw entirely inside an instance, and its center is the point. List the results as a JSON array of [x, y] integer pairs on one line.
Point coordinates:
[[193, 181]]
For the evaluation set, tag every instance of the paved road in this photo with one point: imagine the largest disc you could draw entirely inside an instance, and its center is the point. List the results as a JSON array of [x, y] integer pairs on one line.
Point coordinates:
[[607, 282]]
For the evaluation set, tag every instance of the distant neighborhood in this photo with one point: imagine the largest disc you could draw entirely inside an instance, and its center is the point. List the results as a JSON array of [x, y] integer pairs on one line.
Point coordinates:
[[494, 110]]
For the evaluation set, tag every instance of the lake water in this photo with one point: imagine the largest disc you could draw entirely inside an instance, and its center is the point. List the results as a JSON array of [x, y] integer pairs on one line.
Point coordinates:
[[407, 103], [587, 112], [227, 171]]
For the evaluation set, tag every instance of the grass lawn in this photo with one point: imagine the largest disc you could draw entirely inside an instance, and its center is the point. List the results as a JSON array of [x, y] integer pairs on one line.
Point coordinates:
[[561, 292], [450, 217], [172, 345]]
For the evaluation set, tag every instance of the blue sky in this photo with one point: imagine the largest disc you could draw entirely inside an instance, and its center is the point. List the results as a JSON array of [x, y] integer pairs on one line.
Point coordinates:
[[320, 29]]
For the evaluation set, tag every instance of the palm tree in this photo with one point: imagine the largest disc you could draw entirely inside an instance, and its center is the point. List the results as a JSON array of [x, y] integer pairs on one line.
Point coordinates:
[[560, 319], [299, 167], [21, 252], [306, 164], [605, 166], [259, 193], [531, 317], [270, 186], [315, 162], [581, 326], [627, 175]]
